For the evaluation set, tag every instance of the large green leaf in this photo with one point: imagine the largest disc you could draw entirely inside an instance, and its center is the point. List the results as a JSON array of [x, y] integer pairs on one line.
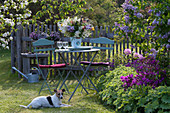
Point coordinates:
[[166, 98], [165, 106]]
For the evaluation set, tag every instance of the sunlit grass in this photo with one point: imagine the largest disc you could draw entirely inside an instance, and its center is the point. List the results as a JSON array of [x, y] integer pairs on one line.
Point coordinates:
[[15, 92]]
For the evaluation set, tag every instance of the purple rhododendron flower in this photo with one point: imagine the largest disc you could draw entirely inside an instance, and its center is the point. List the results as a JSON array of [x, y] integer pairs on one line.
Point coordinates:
[[127, 51]]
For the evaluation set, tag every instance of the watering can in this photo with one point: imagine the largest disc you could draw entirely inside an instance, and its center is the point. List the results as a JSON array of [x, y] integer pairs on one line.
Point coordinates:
[[31, 77]]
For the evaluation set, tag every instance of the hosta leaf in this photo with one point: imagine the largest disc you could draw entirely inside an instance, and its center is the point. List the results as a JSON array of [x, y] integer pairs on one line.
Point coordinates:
[[165, 106], [166, 99], [127, 107], [160, 111], [141, 102], [148, 109], [155, 104]]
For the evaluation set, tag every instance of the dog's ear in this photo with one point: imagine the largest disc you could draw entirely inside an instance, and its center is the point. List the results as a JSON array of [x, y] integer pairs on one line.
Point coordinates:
[[55, 90], [63, 90]]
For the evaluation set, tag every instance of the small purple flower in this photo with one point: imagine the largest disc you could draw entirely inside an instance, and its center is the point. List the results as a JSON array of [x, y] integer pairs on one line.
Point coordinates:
[[158, 13], [139, 15], [88, 26], [167, 46], [168, 22], [151, 27], [70, 28], [150, 11], [127, 18], [125, 29], [153, 50], [127, 51], [154, 22], [34, 36], [116, 24], [132, 46]]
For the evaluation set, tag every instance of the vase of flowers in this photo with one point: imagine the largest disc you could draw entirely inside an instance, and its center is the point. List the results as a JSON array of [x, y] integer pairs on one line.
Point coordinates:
[[75, 28]]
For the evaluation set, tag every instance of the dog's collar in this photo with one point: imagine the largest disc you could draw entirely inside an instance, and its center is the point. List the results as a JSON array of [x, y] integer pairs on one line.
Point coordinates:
[[50, 100]]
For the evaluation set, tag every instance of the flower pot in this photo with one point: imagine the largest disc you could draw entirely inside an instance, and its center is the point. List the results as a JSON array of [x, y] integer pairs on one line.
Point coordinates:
[[75, 42]]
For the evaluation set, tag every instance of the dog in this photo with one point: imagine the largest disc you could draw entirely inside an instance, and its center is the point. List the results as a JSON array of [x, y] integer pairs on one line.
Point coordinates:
[[47, 101]]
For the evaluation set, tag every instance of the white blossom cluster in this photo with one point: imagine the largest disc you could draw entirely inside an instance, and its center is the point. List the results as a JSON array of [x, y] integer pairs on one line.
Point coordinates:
[[9, 19]]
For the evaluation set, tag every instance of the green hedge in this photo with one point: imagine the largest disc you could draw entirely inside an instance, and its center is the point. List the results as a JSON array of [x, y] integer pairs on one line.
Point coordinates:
[[134, 99]]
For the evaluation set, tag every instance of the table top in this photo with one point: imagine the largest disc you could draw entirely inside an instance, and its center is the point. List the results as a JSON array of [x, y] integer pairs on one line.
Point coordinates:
[[71, 51]]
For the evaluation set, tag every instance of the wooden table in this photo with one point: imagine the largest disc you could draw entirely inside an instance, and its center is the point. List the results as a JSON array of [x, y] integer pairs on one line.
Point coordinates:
[[27, 60]]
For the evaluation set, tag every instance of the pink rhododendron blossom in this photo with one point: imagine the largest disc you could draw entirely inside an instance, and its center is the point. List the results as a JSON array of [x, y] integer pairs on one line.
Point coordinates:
[[127, 51], [140, 56], [136, 55]]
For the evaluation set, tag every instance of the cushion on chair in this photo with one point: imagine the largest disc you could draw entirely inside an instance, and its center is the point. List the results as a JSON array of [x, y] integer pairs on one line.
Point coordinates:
[[53, 66], [44, 66], [95, 63]]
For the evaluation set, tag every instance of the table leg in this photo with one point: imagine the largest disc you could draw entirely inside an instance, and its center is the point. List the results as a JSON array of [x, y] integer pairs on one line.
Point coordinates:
[[84, 75], [72, 73]]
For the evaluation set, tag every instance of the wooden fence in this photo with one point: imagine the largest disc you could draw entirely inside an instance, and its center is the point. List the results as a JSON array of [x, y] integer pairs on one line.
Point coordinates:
[[22, 44]]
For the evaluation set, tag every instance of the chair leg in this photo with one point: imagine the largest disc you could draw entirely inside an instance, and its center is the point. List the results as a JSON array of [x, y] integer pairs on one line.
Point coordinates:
[[61, 79], [45, 82]]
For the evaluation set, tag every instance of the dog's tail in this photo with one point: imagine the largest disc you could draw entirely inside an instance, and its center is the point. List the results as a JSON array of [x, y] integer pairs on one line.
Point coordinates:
[[23, 106]]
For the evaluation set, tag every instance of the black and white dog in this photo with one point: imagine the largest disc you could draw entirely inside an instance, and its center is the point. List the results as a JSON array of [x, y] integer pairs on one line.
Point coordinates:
[[47, 101]]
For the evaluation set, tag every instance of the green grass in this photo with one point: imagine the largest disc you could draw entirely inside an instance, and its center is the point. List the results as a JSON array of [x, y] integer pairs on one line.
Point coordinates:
[[15, 92]]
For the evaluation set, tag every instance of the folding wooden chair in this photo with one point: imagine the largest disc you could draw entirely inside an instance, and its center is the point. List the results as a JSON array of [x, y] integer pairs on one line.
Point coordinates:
[[48, 47]]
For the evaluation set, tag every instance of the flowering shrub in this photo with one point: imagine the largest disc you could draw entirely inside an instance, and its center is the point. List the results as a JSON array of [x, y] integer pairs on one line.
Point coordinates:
[[35, 36], [12, 12], [75, 27], [149, 73], [54, 36], [127, 51], [147, 21], [148, 69], [132, 100]]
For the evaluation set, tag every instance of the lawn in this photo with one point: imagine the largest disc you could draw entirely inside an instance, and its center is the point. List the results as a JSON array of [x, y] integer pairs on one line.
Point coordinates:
[[15, 92]]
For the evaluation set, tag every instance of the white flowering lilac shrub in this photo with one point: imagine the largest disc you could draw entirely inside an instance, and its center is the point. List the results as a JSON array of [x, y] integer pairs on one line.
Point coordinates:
[[12, 13]]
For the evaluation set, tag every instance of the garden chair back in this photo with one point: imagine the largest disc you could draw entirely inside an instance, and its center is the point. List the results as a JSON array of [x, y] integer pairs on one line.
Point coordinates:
[[94, 42], [47, 46]]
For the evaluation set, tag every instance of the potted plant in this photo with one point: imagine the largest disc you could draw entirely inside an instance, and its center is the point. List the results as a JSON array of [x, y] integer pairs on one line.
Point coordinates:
[[76, 29]]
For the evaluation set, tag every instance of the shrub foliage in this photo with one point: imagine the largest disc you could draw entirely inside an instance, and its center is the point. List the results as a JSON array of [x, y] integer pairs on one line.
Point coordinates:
[[134, 99]]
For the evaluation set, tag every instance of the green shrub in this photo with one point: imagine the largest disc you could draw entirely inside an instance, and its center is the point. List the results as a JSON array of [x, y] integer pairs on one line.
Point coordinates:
[[134, 99]]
